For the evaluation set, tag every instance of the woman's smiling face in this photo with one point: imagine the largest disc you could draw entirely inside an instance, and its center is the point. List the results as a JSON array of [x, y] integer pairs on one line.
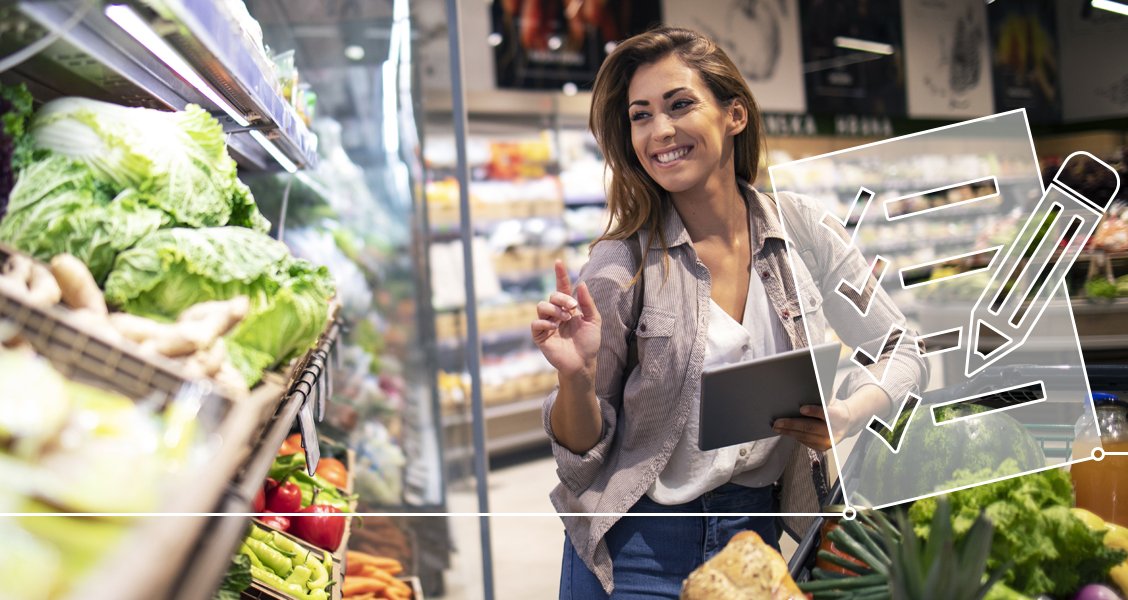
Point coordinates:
[[681, 133]]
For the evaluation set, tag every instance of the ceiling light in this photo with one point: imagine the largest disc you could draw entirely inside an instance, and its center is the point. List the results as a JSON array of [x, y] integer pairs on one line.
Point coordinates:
[[135, 26], [864, 45], [609, 47], [1110, 5], [570, 89], [554, 42], [354, 52], [494, 39]]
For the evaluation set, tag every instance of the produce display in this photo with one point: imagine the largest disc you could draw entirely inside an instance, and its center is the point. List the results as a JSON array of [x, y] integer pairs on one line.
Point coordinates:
[[880, 559], [369, 577], [150, 203], [285, 565], [72, 447], [15, 145], [170, 270], [333, 219], [1009, 540], [310, 507], [194, 340], [930, 459]]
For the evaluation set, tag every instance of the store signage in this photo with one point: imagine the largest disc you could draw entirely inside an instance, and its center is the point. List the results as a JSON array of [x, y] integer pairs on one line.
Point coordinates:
[[776, 124], [853, 125]]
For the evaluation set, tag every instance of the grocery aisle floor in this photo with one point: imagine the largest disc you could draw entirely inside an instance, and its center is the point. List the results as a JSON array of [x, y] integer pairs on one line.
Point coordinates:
[[526, 550]]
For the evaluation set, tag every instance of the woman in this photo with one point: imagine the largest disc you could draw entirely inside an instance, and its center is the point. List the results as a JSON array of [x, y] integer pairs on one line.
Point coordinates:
[[680, 131]]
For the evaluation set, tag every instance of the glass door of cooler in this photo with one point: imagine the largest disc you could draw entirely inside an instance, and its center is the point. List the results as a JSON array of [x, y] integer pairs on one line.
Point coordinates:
[[359, 213]]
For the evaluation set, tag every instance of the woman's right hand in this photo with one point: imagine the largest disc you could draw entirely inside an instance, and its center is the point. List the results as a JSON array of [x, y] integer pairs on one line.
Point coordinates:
[[567, 327]]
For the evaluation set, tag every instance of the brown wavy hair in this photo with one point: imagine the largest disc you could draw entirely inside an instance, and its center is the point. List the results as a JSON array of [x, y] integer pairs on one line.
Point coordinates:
[[635, 200]]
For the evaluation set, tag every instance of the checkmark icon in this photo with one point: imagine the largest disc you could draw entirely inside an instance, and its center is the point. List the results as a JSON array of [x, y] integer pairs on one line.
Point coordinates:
[[892, 436]]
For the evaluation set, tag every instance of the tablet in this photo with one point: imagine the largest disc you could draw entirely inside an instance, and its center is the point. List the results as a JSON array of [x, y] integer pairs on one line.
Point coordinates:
[[740, 401]]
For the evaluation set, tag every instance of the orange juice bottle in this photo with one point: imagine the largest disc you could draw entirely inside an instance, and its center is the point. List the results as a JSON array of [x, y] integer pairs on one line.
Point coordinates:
[[1102, 486]]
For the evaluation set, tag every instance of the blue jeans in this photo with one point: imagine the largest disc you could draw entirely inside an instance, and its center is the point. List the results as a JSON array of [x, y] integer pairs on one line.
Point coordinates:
[[651, 556]]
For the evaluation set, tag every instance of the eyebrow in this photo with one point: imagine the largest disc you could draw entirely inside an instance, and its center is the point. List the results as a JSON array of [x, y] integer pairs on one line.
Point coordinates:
[[665, 96]]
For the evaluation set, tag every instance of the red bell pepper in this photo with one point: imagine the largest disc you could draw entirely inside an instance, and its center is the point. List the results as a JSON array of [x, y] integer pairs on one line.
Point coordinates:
[[284, 497], [278, 522], [321, 525]]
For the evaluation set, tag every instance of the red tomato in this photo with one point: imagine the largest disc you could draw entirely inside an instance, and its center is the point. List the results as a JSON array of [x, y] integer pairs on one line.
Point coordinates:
[[292, 445], [333, 471]]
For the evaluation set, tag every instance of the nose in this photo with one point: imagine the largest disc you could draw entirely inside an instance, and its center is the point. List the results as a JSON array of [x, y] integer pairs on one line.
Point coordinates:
[[663, 127]]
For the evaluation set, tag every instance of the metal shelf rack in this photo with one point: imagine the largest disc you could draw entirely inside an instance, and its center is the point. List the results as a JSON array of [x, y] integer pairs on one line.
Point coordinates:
[[92, 55]]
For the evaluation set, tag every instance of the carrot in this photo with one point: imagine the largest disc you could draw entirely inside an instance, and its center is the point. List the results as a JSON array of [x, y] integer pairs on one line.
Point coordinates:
[[397, 594], [377, 561], [355, 586], [370, 571]]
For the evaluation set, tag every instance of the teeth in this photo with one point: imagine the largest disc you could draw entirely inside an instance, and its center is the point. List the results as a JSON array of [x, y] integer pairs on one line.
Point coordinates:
[[672, 156]]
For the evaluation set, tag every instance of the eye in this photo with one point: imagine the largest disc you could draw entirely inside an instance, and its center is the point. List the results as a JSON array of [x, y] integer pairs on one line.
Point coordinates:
[[681, 103], [639, 115]]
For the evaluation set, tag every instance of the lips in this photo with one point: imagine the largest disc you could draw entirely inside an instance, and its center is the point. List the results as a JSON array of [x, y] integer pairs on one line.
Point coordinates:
[[673, 155]]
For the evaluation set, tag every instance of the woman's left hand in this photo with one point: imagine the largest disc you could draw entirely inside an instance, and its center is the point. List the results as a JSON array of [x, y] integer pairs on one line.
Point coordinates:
[[811, 429], [847, 417]]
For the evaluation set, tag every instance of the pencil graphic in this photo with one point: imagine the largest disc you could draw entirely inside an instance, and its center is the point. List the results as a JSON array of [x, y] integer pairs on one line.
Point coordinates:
[[1034, 264]]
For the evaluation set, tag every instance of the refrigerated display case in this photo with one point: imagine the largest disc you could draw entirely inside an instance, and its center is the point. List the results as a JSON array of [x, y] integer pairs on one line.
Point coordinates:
[[368, 381]]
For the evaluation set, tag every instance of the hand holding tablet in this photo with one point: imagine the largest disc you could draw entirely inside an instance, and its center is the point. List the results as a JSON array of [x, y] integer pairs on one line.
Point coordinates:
[[740, 402]]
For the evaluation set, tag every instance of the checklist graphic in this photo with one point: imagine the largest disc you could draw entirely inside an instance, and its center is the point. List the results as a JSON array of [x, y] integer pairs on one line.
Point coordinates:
[[953, 228]]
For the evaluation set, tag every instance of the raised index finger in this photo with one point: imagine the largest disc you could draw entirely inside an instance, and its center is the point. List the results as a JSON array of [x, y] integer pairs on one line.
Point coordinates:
[[563, 283]]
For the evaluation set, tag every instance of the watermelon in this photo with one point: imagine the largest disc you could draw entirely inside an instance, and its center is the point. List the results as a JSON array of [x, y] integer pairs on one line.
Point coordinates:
[[994, 445]]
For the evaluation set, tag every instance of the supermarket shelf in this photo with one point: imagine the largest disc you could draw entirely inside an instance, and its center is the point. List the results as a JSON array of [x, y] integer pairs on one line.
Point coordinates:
[[212, 554], [96, 58], [901, 247], [579, 201], [510, 426], [518, 441]]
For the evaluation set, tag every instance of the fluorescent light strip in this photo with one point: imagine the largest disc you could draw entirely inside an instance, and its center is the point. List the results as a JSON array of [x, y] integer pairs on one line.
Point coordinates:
[[134, 25], [1109, 5], [274, 151], [866, 45]]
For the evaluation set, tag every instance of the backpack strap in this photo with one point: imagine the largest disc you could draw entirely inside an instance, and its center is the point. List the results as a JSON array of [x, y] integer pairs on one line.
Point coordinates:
[[639, 298]]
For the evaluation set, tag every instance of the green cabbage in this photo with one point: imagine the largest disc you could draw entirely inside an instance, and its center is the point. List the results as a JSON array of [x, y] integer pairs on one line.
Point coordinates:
[[56, 208], [176, 161], [173, 269]]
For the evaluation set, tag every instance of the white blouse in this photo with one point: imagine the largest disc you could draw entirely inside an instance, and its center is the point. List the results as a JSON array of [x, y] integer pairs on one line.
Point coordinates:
[[691, 472]]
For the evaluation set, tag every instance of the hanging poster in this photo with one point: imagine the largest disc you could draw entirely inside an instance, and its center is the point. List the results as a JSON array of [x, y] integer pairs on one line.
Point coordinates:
[[947, 59], [1094, 74], [842, 80], [1024, 49], [761, 37], [545, 44]]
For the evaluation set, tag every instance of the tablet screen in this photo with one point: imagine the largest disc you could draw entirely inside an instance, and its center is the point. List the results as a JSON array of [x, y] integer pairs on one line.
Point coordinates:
[[740, 401]]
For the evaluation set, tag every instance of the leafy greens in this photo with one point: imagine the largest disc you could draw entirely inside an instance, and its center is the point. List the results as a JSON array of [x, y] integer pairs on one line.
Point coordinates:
[[173, 269], [1050, 550]]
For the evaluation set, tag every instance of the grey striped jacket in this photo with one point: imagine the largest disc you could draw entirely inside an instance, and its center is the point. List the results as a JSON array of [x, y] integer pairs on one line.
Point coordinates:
[[645, 410]]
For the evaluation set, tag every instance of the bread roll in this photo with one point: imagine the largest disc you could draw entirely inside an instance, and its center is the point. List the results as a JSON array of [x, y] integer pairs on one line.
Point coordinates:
[[746, 569]]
